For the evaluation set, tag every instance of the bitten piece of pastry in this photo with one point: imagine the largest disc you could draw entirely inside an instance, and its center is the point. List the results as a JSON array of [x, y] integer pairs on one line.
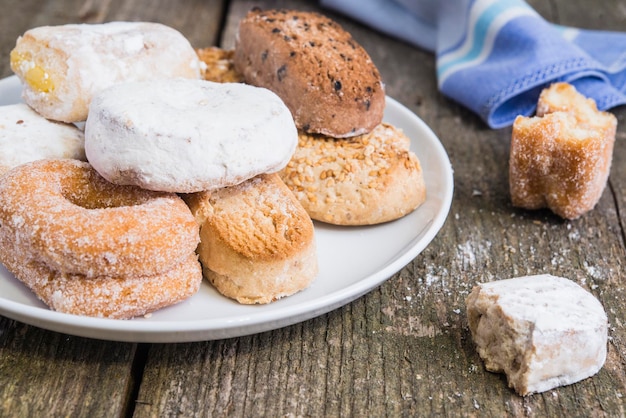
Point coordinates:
[[561, 158], [541, 331], [257, 243], [63, 67]]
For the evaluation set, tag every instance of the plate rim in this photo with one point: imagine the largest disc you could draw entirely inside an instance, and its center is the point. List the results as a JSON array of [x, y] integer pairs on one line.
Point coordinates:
[[252, 323]]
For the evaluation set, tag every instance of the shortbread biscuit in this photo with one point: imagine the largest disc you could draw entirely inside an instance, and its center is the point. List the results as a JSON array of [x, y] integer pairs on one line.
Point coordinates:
[[364, 180], [218, 65], [541, 331], [561, 158], [323, 75], [257, 244]]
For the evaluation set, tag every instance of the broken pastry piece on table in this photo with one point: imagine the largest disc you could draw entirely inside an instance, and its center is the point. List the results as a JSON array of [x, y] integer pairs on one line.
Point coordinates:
[[560, 159], [540, 331], [349, 167]]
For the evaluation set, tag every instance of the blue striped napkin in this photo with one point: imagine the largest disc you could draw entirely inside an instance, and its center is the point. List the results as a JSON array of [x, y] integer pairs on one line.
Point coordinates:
[[495, 56]]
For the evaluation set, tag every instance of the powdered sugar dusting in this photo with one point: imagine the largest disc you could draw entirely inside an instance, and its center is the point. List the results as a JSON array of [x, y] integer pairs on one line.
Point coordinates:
[[97, 56], [27, 136], [204, 135]]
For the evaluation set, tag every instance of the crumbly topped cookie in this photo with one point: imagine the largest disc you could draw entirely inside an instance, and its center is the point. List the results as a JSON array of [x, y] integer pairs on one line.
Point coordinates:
[[364, 180], [218, 65]]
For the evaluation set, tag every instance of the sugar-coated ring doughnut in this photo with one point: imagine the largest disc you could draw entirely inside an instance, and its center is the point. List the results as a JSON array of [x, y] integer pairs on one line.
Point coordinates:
[[62, 213], [104, 296], [27, 136]]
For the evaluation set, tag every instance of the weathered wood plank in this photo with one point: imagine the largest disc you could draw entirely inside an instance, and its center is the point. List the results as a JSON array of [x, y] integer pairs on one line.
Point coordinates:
[[405, 349], [44, 373], [402, 350], [199, 21]]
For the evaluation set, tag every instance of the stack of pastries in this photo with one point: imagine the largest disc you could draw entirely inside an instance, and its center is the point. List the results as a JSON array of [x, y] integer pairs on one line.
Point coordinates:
[[187, 165], [349, 167]]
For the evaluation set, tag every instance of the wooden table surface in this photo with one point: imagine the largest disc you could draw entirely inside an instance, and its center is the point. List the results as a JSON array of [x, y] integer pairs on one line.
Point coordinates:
[[404, 349]]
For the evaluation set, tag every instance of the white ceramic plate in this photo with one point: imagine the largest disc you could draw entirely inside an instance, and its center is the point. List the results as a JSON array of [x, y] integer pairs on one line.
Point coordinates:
[[353, 261]]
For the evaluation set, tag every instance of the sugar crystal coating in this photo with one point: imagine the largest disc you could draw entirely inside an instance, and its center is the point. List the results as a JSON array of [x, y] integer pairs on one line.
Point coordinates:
[[561, 158], [89, 247]]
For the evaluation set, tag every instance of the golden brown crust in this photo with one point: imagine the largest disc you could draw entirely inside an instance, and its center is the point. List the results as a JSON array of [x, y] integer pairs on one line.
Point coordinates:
[[257, 243], [219, 66], [323, 75], [87, 247], [364, 180], [103, 296], [74, 221], [561, 158], [563, 97]]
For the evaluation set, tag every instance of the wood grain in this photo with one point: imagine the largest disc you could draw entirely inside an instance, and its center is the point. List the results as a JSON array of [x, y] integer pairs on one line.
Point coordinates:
[[43, 373], [402, 350]]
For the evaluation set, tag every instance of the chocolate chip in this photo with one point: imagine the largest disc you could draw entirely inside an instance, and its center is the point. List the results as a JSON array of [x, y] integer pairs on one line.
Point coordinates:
[[281, 73], [337, 85], [264, 55], [344, 57], [275, 30]]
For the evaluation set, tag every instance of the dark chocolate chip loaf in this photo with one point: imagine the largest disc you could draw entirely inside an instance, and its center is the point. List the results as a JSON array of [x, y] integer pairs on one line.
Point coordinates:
[[326, 79]]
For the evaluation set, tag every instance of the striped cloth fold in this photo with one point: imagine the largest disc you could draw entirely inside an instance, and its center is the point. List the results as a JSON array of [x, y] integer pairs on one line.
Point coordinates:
[[495, 56]]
